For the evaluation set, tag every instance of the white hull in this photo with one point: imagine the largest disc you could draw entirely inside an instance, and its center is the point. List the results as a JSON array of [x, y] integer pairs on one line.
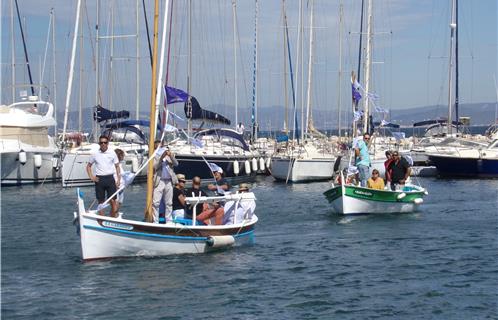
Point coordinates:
[[104, 237], [302, 170], [348, 205], [75, 161], [15, 173]]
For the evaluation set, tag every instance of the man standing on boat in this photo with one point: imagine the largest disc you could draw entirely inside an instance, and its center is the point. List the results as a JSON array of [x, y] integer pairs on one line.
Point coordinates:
[[164, 180], [363, 159], [106, 164], [400, 171]]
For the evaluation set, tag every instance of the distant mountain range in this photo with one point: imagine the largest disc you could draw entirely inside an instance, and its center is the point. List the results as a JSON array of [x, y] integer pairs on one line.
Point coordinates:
[[272, 118]]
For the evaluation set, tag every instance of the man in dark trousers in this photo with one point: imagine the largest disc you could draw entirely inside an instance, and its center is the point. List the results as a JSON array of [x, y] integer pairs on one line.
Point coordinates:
[[106, 164], [400, 170]]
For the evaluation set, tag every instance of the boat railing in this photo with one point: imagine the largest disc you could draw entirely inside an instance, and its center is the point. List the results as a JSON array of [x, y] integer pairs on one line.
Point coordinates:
[[236, 197]]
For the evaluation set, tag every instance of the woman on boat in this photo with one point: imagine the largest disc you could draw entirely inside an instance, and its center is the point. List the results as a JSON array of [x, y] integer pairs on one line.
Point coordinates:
[[375, 182]]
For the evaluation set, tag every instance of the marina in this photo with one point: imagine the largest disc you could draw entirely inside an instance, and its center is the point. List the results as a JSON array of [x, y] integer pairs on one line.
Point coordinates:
[[224, 159]]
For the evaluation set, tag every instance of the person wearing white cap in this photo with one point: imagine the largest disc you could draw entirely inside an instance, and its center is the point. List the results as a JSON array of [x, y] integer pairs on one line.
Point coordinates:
[[221, 186], [179, 203]]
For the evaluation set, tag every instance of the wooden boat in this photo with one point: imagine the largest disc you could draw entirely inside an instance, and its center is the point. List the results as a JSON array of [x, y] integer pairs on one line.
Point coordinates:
[[351, 199], [104, 237]]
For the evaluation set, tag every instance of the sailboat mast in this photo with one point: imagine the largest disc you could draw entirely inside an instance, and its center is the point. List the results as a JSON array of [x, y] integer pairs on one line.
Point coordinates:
[[286, 100], [25, 50], [150, 172], [13, 51], [71, 69], [97, 68], [297, 64], [456, 65], [339, 95], [189, 73], [234, 17], [54, 70], [137, 66], [254, 114], [368, 64], [309, 119], [450, 68]]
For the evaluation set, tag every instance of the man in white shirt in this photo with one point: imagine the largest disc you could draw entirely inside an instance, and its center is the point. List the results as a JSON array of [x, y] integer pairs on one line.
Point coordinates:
[[106, 164], [164, 180], [244, 210]]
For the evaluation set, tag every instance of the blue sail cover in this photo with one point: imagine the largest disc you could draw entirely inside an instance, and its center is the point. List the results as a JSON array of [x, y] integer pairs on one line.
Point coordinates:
[[223, 132], [197, 113], [101, 114]]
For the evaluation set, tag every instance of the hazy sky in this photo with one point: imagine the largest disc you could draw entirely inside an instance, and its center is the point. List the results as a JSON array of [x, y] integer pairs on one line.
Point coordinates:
[[411, 46]]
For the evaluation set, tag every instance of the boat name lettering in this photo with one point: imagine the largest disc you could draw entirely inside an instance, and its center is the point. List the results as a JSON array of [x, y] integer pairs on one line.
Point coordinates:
[[364, 193], [116, 225]]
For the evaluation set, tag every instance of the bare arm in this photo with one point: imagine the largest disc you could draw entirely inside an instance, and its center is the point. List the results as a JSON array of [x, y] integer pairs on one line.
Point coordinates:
[[118, 174], [90, 173]]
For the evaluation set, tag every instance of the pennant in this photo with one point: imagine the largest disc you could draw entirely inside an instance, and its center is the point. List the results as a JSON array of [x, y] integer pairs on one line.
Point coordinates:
[[398, 135], [174, 95], [355, 91], [357, 115], [177, 117], [384, 123], [214, 167], [197, 143]]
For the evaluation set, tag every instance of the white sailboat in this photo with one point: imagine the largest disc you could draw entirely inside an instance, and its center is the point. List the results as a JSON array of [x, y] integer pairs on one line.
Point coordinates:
[[106, 237], [313, 159]]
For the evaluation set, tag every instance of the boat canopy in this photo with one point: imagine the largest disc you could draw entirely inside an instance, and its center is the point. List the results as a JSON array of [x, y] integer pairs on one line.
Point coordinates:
[[224, 133], [434, 121], [197, 113], [102, 114]]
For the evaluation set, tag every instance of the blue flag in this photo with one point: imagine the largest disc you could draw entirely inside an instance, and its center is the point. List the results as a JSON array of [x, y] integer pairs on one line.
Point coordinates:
[[355, 91], [174, 95]]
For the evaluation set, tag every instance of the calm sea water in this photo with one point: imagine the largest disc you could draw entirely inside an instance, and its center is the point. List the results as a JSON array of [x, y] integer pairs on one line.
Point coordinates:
[[307, 263]]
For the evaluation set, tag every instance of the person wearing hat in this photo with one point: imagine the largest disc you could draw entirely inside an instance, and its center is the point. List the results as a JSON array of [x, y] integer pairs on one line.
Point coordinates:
[[221, 186], [179, 197], [164, 180], [244, 210]]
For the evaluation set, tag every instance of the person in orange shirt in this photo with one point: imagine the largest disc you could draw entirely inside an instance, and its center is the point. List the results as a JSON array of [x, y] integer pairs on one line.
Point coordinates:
[[375, 182]]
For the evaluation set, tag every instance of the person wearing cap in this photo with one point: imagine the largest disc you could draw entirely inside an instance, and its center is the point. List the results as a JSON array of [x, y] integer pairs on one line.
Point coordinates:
[[244, 210], [221, 186], [164, 179], [179, 197], [195, 191], [400, 171], [375, 182], [363, 159]]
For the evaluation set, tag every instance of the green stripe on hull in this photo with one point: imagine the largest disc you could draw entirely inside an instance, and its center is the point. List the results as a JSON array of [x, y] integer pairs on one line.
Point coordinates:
[[372, 194]]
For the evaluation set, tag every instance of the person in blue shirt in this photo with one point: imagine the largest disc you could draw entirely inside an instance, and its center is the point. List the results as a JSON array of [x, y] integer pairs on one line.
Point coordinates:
[[362, 159]]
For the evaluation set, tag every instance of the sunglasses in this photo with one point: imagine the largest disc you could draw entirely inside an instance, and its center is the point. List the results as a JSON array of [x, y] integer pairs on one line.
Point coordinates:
[[103, 142], [182, 181]]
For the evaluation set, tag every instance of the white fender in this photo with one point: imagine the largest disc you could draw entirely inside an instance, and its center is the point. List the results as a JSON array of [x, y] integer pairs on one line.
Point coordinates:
[[418, 200], [38, 160], [134, 164], [236, 168], [254, 164], [23, 157], [401, 195], [268, 163], [261, 164], [247, 167], [55, 162]]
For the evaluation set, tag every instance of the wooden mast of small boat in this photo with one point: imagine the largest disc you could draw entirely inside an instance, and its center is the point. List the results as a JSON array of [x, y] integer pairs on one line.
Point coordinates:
[[150, 173]]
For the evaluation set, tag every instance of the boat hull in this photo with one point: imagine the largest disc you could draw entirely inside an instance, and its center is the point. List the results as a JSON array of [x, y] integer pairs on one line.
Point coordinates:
[[357, 200], [105, 237], [302, 170], [450, 166], [15, 173]]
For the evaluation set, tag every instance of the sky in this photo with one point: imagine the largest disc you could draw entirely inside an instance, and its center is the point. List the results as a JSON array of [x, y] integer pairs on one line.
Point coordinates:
[[410, 53]]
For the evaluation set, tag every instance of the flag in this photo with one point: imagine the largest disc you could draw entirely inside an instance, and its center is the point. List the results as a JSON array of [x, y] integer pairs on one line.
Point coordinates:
[[357, 115], [177, 117], [174, 95], [380, 110], [169, 128], [352, 170], [128, 177], [197, 143], [398, 135], [355, 91], [384, 123], [214, 167], [409, 159]]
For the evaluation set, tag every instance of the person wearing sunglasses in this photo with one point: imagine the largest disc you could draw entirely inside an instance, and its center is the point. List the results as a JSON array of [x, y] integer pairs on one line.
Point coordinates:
[[362, 160], [400, 171], [106, 164], [375, 182]]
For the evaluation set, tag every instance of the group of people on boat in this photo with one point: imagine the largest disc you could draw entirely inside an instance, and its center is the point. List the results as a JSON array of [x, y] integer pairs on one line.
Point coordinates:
[[397, 168], [169, 194]]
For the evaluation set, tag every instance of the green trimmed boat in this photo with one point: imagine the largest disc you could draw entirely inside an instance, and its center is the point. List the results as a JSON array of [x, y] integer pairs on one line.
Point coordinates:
[[351, 199]]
